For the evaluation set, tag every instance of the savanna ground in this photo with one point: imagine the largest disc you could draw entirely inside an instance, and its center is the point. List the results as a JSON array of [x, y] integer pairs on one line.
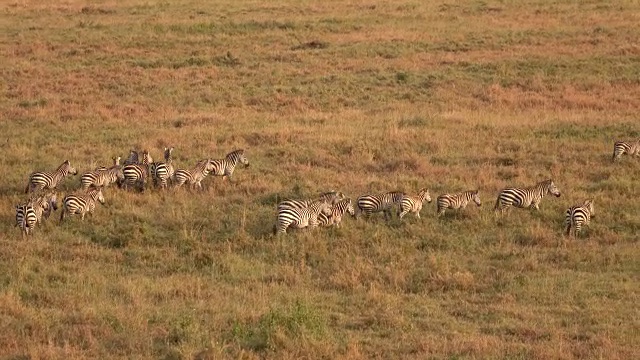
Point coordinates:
[[357, 96]]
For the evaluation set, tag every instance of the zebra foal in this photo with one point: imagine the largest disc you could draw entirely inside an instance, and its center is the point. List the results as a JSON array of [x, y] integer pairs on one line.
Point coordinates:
[[194, 176], [413, 204], [337, 212], [632, 148], [225, 167], [457, 201], [81, 203], [301, 218]]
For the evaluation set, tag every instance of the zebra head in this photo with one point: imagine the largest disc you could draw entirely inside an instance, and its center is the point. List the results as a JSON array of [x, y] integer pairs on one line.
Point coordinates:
[[424, 195], [476, 197], [167, 153], [350, 208], [552, 189], [96, 194], [588, 204], [133, 157], [146, 158], [116, 160], [39, 201], [238, 156], [66, 166]]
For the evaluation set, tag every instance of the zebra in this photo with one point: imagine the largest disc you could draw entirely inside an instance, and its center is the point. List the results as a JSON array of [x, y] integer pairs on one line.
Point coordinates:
[[195, 176], [102, 178], [369, 204], [578, 216], [413, 203], [626, 147], [163, 171], [81, 203], [332, 197], [136, 174], [224, 167], [337, 212], [52, 200], [46, 180], [132, 159], [457, 201], [527, 197], [29, 214], [301, 218]]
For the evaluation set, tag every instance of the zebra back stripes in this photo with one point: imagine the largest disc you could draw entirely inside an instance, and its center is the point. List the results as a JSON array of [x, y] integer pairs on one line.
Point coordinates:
[[369, 204], [632, 148], [525, 197], [49, 180], [337, 211], [163, 171], [137, 174], [195, 176], [413, 203], [225, 167], [331, 197], [578, 216], [301, 218], [30, 213], [457, 201], [100, 178], [81, 203]]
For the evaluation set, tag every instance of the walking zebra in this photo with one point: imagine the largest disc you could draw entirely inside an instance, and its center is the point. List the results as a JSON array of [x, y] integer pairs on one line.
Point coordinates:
[[29, 214], [337, 212], [46, 180], [81, 203], [136, 174], [578, 216], [101, 178], [163, 171], [626, 147], [301, 218], [224, 167], [457, 201], [369, 204], [527, 197], [413, 203], [331, 197], [195, 176]]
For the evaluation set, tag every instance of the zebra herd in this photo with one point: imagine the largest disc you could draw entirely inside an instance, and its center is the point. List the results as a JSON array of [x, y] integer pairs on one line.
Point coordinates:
[[326, 210], [132, 174]]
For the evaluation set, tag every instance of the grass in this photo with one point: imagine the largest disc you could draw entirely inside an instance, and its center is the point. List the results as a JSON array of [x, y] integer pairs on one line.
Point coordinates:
[[357, 97]]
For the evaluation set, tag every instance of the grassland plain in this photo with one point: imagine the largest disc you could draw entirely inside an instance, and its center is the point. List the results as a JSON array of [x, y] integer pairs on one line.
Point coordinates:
[[359, 96]]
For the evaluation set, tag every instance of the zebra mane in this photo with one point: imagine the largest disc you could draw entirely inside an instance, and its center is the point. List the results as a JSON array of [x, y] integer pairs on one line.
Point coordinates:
[[64, 164]]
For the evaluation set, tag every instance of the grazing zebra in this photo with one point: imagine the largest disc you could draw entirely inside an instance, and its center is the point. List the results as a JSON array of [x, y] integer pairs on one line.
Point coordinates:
[[626, 147], [369, 204], [331, 197], [457, 201], [337, 212], [413, 203], [46, 180], [527, 197], [81, 203], [224, 167], [163, 171], [29, 214], [101, 178], [195, 176], [578, 216], [136, 174], [301, 218]]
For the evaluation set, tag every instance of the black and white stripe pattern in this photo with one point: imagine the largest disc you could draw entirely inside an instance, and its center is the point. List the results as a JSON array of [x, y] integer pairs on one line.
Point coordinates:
[[369, 204], [301, 218], [457, 201], [101, 178], [163, 171], [49, 180], [132, 159], [225, 167], [632, 148], [413, 203], [578, 216], [195, 176], [31, 213], [525, 197], [136, 174], [81, 203], [331, 197], [337, 212]]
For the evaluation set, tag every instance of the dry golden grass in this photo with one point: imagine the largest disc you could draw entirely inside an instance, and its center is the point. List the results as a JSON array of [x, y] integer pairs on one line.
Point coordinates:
[[361, 96]]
